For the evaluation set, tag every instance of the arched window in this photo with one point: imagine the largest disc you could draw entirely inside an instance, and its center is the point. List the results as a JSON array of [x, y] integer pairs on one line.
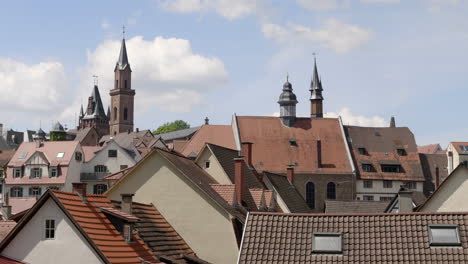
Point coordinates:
[[331, 191], [125, 113], [115, 113], [310, 194]]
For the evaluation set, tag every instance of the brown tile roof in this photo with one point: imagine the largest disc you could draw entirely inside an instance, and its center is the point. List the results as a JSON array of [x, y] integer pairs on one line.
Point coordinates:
[[20, 204], [178, 145], [429, 149], [381, 144], [221, 135], [457, 147], [272, 149], [429, 163], [132, 139], [355, 206], [119, 214], [5, 227], [158, 234], [288, 193], [5, 156], [5, 260], [94, 226], [226, 191], [90, 151], [367, 238]]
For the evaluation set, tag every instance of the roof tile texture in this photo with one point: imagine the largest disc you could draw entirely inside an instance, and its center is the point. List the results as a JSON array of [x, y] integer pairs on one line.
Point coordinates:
[[367, 238], [215, 134]]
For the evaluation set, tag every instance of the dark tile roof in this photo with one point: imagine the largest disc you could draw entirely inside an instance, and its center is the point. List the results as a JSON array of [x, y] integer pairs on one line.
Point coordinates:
[[6, 156], [367, 238], [158, 234], [381, 144], [358, 206], [288, 193], [429, 163], [179, 134], [3, 144]]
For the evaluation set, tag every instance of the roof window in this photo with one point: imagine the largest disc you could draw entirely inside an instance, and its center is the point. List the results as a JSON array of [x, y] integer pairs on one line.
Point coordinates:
[[328, 243], [401, 152], [22, 155], [464, 148], [293, 142], [60, 155], [444, 235], [362, 151]]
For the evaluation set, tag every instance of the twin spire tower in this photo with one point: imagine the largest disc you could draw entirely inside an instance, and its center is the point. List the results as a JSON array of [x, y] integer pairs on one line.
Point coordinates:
[[120, 114]]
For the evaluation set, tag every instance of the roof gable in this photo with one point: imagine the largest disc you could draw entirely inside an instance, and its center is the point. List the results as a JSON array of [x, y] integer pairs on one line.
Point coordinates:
[[50, 150]]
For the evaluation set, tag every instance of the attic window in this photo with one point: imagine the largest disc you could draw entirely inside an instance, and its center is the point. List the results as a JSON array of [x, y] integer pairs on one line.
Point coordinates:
[[362, 151], [60, 155], [392, 168], [366, 167], [22, 155], [464, 148], [207, 164], [401, 152], [50, 229], [112, 153], [327, 243], [293, 142], [444, 235]]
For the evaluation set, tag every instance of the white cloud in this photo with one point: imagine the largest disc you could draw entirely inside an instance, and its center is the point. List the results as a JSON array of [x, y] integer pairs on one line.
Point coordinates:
[[31, 87], [167, 74], [227, 8], [333, 34], [105, 24], [350, 119]]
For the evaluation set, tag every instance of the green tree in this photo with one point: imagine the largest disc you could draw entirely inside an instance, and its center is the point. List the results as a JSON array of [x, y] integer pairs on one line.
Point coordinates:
[[171, 126]]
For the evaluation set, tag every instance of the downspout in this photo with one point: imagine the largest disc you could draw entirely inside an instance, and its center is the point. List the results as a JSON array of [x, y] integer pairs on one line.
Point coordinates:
[[348, 152]]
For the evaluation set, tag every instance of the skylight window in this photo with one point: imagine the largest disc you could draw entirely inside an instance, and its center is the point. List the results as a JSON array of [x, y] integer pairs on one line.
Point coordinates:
[[328, 243], [293, 142], [362, 151], [60, 155], [444, 235], [22, 155], [401, 152], [464, 148]]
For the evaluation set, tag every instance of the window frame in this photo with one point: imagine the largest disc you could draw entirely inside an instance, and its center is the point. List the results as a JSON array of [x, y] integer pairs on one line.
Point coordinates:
[[49, 229], [412, 185], [33, 174], [52, 170], [327, 234], [367, 184], [20, 174], [399, 168], [444, 244], [97, 190], [16, 189], [112, 151], [123, 167], [369, 198], [78, 156], [367, 167], [100, 166], [309, 190], [32, 189], [387, 184], [60, 155], [402, 152], [207, 164], [329, 191], [363, 151]]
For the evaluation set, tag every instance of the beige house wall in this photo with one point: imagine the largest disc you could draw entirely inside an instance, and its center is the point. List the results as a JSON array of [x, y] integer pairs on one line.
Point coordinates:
[[69, 246], [215, 169], [203, 224], [378, 189]]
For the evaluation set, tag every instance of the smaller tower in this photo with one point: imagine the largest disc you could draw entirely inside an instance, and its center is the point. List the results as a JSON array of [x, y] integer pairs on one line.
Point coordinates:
[[39, 138], [287, 101], [392, 122], [316, 98], [58, 133]]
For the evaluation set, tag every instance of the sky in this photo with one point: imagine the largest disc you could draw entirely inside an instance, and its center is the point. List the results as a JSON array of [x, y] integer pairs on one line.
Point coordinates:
[[193, 59]]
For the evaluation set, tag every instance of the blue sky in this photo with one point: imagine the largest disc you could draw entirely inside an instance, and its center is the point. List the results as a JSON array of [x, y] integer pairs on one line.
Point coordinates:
[[197, 58]]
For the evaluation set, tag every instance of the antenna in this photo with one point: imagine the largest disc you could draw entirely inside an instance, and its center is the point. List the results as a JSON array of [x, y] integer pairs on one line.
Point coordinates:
[[96, 80], [123, 31]]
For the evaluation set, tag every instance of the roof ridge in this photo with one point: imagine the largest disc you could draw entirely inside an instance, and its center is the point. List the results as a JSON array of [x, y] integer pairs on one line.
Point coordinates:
[[358, 214]]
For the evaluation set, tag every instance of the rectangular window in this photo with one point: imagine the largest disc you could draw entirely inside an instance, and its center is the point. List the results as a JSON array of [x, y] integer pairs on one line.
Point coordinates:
[[16, 192], [99, 188], [1, 173], [35, 191], [368, 197], [367, 184], [362, 151], [17, 172], [100, 168], [22, 155], [36, 173], [444, 235], [78, 156], [386, 198], [387, 184], [401, 152], [53, 172], [368, 167], [392, 168], [327, 243], [123, 167], [50, 229], [207, 164], [112, 153], [411, 185], [125, 84]]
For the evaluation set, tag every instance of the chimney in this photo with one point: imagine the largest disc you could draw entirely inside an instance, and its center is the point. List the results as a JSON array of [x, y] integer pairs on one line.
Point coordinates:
[[319, 154], [450, 162], [126, 205], [207, 121], [1, 129], [437, 177], [290, 173], [80, 189], [239, 179], [392, 122], [247, 152], [405, 201], [137, 130], [6, 208]]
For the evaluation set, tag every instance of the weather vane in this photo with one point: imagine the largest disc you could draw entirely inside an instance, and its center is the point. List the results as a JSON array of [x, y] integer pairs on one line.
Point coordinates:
[[95, 79]]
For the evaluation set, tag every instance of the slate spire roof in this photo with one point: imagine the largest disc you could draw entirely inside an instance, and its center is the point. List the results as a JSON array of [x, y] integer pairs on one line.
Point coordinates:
[[287, 96], [81, 111], [122, 63], [316, 84], [98, 109]]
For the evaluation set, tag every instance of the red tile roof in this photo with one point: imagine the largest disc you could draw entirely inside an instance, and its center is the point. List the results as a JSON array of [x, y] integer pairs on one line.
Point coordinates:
[[49, 148], [119, 214], [457, 147], [90, 152], [221, 135], [367, 238], [272, 149], [5, 227], [226, 191], [429, 149]]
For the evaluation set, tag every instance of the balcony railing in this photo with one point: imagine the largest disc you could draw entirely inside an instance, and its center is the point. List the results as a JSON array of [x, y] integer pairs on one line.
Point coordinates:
[[93, 176]]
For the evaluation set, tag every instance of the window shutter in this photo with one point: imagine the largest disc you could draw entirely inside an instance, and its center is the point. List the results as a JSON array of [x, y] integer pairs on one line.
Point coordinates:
[[31, 171], [40, 172]]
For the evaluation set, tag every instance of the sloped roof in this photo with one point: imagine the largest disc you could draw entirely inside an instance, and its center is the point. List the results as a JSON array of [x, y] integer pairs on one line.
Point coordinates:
[[49, 148], [367, 238], [358, 206], [93, 224], [5, 227], [288, 193], [179, 134], [127, 140], [98, 110], [3, 144], [90, 151], [226, 191], [20, 204], [275, 146], [6, 156], [429, 164], [458, 145], [5, 260], [381, 144], [220, 135], [430, 149], [158, 234]]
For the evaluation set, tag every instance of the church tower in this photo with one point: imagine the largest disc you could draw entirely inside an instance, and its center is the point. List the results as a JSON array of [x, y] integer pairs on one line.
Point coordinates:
[[316, 98], [122, 96], [287, 102]]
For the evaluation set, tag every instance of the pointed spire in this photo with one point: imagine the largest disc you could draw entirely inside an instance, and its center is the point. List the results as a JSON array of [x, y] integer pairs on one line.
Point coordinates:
[[122, 63], [316, 84], [98, 107], [81, 111]]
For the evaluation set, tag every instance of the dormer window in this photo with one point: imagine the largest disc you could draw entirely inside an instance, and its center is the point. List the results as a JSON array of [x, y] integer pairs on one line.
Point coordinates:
[[362, 151], [53, 172], [36, 173], [444, 235], [391, 168], [401, 152], [366, 167], [327, 243]]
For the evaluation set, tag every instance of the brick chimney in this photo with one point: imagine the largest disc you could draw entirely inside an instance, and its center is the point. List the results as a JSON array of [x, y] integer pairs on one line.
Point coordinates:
[[239, 178], [126, 205], [247, 152], [319, 154], [437, 174], [290, 173], [405, 201], [80, 188]]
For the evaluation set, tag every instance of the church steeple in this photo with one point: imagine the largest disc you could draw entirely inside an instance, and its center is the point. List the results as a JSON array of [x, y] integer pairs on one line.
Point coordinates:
[[287, 102], [316, 98], [122, 96]]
